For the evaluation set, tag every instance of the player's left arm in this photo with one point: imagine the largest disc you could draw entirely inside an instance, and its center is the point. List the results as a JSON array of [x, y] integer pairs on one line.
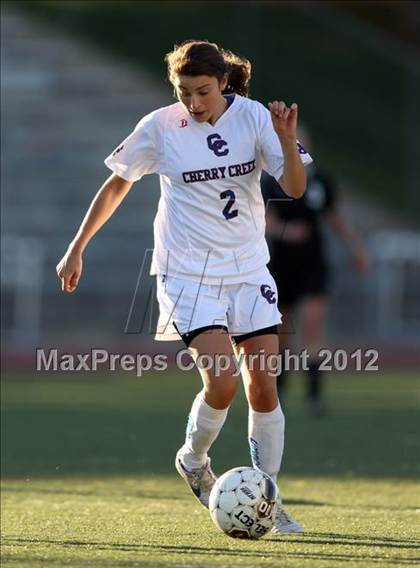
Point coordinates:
[[344, 232], [293, 179]]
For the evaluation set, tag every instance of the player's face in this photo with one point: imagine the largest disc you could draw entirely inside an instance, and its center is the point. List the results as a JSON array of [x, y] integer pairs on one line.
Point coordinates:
[[202, 96]]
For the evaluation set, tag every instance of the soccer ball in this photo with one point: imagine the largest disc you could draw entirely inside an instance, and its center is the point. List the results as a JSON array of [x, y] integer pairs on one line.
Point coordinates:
[[243, 503]]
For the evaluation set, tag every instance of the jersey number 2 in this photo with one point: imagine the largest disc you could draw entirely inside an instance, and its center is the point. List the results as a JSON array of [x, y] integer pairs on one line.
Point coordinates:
[[227, 210]]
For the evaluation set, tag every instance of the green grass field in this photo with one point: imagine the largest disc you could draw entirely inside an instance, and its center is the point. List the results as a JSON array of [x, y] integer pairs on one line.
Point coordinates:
[[88, 477]]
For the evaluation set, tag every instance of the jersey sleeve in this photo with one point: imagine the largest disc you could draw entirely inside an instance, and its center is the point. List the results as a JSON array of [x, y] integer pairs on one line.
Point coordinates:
[[140, 153], [270, 147]]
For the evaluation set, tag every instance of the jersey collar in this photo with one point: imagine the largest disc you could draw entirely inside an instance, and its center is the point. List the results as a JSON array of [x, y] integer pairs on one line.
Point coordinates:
[[230, 110]]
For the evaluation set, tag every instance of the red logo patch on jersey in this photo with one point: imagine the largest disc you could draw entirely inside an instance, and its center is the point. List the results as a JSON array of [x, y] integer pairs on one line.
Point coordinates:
[[183, 123]]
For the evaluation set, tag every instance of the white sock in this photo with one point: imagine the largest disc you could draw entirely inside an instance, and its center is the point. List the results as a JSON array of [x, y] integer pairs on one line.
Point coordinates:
[[204, 425], [266, 439]]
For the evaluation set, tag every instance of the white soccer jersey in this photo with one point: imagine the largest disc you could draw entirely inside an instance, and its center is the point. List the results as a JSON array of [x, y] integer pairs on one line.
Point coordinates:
[[210, 223]]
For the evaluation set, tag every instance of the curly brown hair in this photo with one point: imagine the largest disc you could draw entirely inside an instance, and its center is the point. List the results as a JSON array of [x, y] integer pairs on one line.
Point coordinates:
[[197, 57]]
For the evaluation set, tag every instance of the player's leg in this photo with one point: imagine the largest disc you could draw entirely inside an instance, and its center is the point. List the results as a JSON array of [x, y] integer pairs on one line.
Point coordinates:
[[313, 311], [253, 316], [265, 418], [208, 412], [211, 404], [196, 313], [285, 331]]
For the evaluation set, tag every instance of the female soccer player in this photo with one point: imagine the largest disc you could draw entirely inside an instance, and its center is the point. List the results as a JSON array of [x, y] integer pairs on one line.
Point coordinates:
[[210, 258]]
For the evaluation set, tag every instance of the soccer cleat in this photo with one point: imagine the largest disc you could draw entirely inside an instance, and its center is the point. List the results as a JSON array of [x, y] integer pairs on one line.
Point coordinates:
[[200, 480], [285, 523]]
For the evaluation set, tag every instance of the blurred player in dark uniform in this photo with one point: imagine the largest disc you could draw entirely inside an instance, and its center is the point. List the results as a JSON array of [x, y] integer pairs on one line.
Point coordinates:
[[299, 264]]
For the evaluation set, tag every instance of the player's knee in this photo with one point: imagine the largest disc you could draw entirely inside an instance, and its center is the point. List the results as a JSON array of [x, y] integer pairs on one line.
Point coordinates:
[[222, 393], [229, 391], [262, 398]]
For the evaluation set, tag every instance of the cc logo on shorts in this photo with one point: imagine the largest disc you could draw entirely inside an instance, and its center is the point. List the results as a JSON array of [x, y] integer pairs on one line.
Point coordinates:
[[268, 293], [216, 143]]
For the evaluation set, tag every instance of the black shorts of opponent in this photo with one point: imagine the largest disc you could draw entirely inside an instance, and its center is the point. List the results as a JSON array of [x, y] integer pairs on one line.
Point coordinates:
[[236, 339], [296, 283]]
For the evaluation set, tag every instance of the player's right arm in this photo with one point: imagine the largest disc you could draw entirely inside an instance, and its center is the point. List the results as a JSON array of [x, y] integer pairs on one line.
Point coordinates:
[[103, 205]]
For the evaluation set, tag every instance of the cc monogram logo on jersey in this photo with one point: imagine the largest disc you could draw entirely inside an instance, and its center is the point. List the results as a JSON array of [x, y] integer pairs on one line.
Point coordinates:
[[268, 293], [216, 143]]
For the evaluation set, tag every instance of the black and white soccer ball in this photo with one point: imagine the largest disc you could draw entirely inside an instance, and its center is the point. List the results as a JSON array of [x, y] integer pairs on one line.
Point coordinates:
[[243, 503]]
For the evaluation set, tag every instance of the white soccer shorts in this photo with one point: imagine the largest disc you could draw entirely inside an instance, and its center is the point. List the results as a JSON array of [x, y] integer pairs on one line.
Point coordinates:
[[242, 308]]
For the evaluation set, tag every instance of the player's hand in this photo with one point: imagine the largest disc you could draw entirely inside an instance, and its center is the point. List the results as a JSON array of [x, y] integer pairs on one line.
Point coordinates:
[[284, 119], [361, 261], [69, 270]]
